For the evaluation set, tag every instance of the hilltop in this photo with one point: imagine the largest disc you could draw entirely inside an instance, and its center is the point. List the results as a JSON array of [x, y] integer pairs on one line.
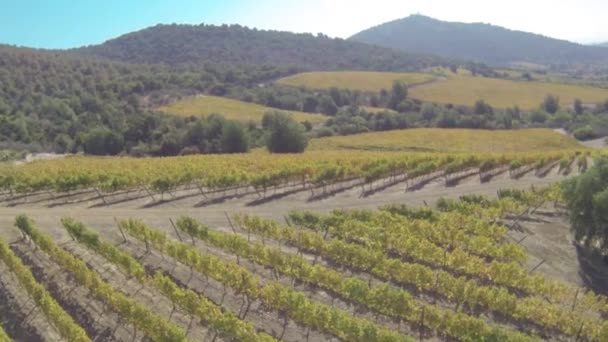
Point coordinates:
[[235, 44], [478, 41]]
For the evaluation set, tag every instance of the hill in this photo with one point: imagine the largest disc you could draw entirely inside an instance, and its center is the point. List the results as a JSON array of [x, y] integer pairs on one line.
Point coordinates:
[[477, 41], [235, 44], [50, 99], [230, 109], [451, 140]]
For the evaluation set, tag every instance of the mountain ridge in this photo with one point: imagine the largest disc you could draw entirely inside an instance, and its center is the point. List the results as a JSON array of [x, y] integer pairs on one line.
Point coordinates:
[[481, 42], [235, 44]]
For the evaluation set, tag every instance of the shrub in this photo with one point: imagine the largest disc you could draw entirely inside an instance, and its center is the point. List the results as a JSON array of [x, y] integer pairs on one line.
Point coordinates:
[[103, 141], [286, 135], [585, 133]]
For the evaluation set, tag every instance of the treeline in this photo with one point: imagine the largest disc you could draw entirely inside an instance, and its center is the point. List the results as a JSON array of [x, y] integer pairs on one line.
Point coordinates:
[[354, 112]]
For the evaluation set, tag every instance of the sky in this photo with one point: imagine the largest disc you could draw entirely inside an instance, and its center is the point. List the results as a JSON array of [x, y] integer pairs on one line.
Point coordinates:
[[73, 23]]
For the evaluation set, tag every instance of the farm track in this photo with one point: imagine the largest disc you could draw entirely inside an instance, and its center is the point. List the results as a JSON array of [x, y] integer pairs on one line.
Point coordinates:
[[100, 323], [19, 315]]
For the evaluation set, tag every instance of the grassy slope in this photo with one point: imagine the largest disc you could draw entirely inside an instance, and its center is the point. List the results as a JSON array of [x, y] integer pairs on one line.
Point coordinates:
[[231, 109], [356, 80], [451, 140], [465, 90]]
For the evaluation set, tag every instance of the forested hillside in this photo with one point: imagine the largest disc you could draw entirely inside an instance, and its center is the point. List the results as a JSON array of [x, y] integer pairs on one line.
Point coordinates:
[[235, 44], [481, 42], [52, 100]]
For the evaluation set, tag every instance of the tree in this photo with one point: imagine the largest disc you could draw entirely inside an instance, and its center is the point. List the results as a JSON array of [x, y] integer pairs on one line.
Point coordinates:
[[170, 145], [398, 94], [328, 106], [587, 200], [102, 141], [428, 112], [286, 135], [310, 104], [585, 133], [578, 106], [234, 138], [551, 104], [447, 120], [482, 108]]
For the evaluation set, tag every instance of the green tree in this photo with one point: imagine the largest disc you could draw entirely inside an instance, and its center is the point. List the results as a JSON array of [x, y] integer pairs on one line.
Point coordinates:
[[578, 106], [587, 200], [585, 133], [234, 138], [398, 94], [551, 104], [428, 112], [310, 104], [328, 106], [482, 108], [286, 135], [102, 141]]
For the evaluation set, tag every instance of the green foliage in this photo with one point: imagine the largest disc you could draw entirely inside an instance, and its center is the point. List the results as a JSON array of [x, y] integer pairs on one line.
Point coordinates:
[[48, 99], [578, 106], [587, 200], [103, 141], [585, 133], [234, 138], [398, 94], [235, 44], [550, 104], [286, 135]]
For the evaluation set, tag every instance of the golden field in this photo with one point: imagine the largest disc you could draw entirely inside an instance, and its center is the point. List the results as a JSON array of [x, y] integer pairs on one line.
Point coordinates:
[[451, 140], [465, 90], [231, 109], [354, 80]]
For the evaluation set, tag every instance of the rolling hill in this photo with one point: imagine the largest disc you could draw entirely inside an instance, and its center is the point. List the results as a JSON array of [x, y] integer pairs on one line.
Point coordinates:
[[231, 109], [477, 41], [235, 44]]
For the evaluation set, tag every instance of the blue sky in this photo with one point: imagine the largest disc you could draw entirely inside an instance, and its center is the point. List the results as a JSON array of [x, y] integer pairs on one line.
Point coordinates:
[[72, 23]]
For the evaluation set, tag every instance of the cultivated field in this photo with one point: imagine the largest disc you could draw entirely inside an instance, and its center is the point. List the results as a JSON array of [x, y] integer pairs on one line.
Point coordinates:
[[394, 274], [230, 109], [465, 90], [454, 140], [200, 248], [355, 80]]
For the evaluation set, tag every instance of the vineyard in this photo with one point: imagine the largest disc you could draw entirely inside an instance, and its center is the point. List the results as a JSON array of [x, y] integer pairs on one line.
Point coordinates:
[[458, 272], [394, 273], [452, 140], [103, 181], [355, 80]]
